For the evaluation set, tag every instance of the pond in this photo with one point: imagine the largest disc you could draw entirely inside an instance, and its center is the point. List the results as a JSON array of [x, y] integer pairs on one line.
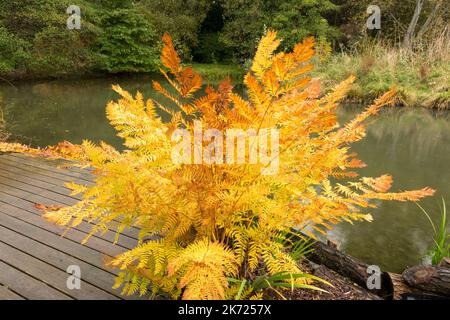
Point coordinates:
[[411, 144]]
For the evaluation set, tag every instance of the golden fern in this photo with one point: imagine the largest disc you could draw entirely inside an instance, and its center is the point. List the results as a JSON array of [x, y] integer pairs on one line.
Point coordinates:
[[209, 222]]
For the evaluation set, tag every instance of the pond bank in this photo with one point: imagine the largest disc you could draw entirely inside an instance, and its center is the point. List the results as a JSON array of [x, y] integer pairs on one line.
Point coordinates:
[[421, 75]]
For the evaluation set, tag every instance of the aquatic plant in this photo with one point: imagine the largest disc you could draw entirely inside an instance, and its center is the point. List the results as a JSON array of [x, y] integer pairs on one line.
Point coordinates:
[[441, 238]]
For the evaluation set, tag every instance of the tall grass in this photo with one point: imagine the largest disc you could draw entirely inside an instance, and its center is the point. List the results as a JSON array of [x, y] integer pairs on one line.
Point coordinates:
[[441, 247], [421, 73], [4, 135], [212, 72]]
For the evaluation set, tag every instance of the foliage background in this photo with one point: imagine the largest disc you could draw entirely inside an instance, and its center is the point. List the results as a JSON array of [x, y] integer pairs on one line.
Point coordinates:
[[124, 36]]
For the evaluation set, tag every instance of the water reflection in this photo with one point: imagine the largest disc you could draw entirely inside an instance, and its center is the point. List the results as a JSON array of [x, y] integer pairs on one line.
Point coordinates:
[[414, 146], [411, 144]]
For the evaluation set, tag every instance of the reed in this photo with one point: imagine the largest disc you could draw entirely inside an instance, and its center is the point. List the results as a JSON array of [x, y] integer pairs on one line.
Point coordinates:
[[441, 237], [420, 73]]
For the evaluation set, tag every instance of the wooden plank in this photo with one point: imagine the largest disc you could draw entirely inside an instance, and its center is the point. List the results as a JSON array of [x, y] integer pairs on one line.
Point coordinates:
[[42, 166], [64, 164], [94, 243], [36, 183], [54, 165], [27, 286], [6, 294], [15, 167], [34, 217], [32, 253], [22, 200], [32, 193], [89, 274], [52, 174], [66, 244], [49, 274], [48, 198], [63, 199], [20, 175]]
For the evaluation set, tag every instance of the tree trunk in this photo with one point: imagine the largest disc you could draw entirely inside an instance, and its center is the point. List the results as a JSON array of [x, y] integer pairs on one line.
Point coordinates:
[[429, 20], [407, 41], [429, 278]]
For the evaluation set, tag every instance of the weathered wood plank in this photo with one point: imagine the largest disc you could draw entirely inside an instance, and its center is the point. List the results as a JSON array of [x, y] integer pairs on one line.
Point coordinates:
[[7, 294], [89, 273], [37, 220], [20, 175], [33, 255], [63, 199], [52, 174], [14, 167], [66, 244], [62, 163], [26, 201], [59, 197], [45, 166], [49, 274], [27, 286], [95, 243]]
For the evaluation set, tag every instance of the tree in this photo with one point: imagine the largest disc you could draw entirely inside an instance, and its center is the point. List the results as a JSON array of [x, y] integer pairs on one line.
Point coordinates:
[[180, 18], [13, 52], [127, 43], [205, 223], [410, 34], [246, 21]]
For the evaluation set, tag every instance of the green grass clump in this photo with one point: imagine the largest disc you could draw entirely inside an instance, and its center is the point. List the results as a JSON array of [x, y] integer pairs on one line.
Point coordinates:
[[441, 247], [422, 76], [212, 72]]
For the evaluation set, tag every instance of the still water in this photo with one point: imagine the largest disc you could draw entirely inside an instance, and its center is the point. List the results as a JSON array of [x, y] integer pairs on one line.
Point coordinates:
[[411, 144]]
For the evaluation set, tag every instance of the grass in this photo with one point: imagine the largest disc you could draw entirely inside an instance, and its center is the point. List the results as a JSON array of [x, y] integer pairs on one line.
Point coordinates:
[[441, 247], [4, 135], [421, 75], [217, 72]]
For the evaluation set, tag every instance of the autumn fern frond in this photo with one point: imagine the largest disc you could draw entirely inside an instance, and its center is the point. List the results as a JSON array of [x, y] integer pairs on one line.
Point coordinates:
[[204, 224]]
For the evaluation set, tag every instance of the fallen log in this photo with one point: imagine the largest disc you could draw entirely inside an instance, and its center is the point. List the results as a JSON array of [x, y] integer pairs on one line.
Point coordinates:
[[445, 263], [429, 282], [429, 278], [349, 267], [400, 289]]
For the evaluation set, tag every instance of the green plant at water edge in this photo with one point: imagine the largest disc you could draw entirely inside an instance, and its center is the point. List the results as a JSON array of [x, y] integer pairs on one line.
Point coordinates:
[[217, 72], [280, 280], [441, 248]]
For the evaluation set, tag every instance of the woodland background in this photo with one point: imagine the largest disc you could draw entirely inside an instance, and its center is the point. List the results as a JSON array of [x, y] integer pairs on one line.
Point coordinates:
[[124, 36]]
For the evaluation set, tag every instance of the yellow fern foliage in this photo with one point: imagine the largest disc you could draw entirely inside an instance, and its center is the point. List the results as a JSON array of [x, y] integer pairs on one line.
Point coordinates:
[[203, 223]]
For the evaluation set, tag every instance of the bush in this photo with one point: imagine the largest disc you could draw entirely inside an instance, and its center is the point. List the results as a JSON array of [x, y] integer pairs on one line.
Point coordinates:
[[208, 229], [128, 43], [58, 52], [13, 52]]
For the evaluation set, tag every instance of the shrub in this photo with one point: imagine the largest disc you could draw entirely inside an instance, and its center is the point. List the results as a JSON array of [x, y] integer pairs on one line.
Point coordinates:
[[208, 229], [128, 43], [58, 52], [13, 52]]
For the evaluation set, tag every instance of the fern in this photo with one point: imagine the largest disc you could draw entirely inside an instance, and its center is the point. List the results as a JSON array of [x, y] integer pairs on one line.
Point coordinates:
[[209, 223]]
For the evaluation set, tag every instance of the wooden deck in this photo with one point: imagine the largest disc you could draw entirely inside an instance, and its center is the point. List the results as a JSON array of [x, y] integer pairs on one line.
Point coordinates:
[[33, 256]]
